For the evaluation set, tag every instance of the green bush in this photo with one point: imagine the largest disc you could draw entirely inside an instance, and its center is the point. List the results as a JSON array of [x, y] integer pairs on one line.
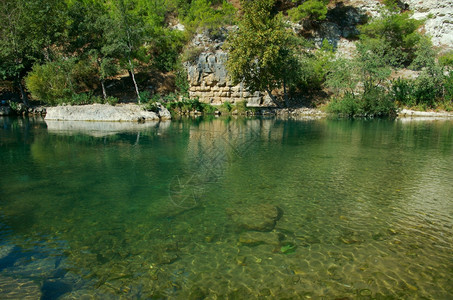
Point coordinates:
[[402, 91], [191, 53], [145, 96], [315, 10], [61, 81], [51, 82], [112, 100], [208, 108], [181, 81], [396, 33], [241, 106], [201, 14], [226, 107], [373, 104], [448, 87], [446, 59], [80, 99]]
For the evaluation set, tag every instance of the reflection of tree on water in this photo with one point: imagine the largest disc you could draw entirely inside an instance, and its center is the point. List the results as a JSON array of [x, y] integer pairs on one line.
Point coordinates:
[[210, 151]]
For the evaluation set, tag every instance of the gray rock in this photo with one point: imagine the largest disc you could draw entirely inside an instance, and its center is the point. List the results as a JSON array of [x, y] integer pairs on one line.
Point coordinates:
[[100, 112], [164, 113], [5, 250], [5, 111]]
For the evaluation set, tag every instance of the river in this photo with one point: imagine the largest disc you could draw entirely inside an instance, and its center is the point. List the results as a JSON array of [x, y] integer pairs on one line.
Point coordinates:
[[226, 208]]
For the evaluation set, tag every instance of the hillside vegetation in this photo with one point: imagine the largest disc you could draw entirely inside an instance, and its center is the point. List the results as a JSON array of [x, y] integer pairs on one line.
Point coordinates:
[[85, 51]]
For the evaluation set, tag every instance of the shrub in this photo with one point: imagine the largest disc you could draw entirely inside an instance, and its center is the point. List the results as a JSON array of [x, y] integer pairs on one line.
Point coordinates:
[[201, 14], [446, 59], [51, 82], [208, 108], [112, 100], [241, 106], [181, 81], [144, 96], [61, 81], [374, 103], [402, 91], [226, 107], [448, 87], [315, 10], [191, 53]]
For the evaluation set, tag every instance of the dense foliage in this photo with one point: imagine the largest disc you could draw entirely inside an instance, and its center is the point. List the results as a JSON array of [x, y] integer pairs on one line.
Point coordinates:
[[42, 37], [71, 51], [363, 86]]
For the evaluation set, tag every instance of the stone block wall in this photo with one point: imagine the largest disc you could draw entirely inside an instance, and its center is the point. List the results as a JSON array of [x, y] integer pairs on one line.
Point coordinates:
[[209, 81]]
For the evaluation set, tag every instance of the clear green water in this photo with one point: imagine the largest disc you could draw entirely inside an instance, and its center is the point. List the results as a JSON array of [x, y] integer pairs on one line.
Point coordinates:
[[365, 210]]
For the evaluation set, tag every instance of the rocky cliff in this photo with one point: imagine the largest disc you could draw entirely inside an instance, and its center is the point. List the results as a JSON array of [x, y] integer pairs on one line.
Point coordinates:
[[209, 80]]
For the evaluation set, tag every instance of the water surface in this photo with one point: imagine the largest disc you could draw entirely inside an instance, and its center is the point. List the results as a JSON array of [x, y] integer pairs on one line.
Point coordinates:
[[365, 209]]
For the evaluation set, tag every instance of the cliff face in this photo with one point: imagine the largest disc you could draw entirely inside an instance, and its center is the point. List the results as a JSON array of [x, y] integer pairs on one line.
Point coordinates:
[[209, 80], [438, 15], [440, 19]]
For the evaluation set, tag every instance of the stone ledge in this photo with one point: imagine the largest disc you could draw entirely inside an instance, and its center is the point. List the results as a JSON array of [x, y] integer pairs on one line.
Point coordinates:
[[105, 112]]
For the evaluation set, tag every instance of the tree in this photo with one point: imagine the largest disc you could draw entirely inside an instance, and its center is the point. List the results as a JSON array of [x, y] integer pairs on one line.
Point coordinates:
[[125, 36], [395, 33], [88, 29], [261, 51], [29, 29]]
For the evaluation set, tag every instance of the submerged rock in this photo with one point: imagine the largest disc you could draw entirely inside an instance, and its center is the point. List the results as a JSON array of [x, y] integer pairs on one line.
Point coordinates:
[[254, 238], [259, 217]]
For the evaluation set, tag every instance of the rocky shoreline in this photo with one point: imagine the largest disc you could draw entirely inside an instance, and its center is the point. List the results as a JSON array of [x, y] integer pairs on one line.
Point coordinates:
[[136, 113]]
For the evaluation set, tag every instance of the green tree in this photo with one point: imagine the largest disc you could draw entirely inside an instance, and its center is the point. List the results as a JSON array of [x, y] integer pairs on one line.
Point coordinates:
[[395, 33], [261, 51], [89, 23], [125, 36], [30, 30]]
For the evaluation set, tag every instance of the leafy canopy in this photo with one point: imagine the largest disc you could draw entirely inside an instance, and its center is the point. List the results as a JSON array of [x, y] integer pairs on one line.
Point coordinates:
[[261, 50]]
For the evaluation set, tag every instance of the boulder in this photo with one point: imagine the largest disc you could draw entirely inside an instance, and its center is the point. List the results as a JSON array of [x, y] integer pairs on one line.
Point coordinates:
[[258, 217], [164, 113], [100, 112]]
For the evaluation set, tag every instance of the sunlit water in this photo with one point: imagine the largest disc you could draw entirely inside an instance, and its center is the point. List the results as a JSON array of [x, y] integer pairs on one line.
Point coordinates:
[[365, 209]]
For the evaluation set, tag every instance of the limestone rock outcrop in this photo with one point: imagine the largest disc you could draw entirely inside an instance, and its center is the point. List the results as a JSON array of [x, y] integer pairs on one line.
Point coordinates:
[[100, 112]]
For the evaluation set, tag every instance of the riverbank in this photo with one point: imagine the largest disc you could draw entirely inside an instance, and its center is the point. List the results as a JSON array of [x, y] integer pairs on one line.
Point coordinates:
[[135, 113]]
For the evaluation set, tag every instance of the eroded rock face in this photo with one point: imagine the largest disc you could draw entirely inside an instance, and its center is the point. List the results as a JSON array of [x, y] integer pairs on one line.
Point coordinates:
[[258, 217]]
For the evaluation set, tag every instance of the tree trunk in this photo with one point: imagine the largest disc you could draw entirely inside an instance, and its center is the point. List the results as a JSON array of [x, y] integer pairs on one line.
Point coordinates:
[[273, 98], [133, 79], [104, 94], [23, 95], [285, 94]]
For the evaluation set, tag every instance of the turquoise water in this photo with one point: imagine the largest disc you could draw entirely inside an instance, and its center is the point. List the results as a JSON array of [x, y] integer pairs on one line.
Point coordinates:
[[226, 209]]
